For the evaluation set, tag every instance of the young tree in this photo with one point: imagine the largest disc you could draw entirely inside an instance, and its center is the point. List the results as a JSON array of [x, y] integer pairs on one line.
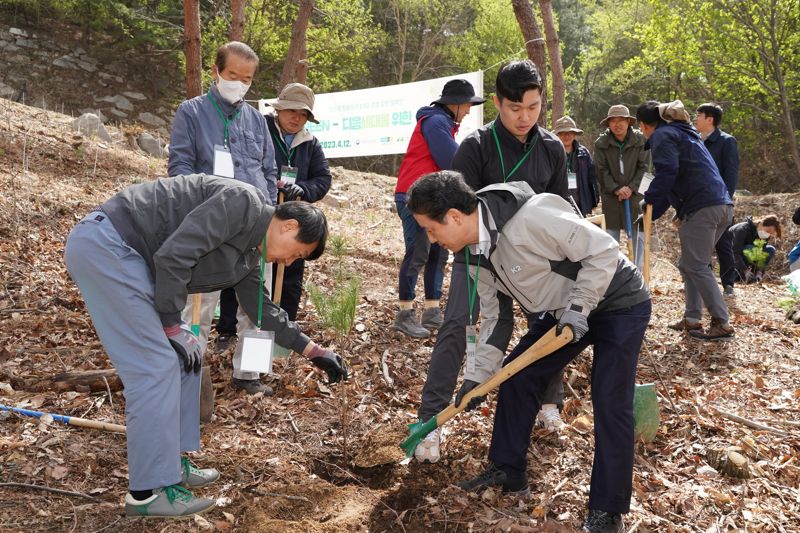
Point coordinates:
[[295, 68], [534, 43], [191, 47], [237, 19], [554, 55]]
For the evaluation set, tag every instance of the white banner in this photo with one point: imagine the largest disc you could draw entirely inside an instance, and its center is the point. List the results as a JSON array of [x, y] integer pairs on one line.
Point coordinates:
[[380, 120]]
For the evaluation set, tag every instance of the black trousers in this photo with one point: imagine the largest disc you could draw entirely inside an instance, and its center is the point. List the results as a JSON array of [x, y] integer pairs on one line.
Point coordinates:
[[290, 298], [727, 263], [616, 337]]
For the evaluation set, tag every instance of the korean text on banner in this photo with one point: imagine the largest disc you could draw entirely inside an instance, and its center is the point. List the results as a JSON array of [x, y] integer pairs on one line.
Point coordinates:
[[379, 121]]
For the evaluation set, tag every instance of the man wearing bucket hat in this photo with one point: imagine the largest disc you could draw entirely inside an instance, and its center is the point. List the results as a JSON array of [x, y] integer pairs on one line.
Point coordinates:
[[430, 149], [581, 176], [218, 133], [621, 160]]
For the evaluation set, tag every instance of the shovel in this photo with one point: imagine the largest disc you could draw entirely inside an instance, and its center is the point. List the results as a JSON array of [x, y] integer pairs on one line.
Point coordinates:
[[69, 420], [279, 351], [547, 344], [647, 221], [629, 229]]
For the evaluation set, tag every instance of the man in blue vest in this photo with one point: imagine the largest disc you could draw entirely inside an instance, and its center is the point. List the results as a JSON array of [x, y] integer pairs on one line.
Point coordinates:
[[219, 134]]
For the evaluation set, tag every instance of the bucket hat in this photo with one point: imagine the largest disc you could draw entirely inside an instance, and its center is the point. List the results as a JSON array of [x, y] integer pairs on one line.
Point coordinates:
[[619, 111], [296, 96], [566, 124], [458, 92]]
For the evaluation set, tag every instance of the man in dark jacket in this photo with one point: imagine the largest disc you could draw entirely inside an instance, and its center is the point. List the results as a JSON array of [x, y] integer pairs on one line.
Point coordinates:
[[687, 179], [303, 174], [581, 176], [565, 272], [135, 260], [724, 150], [513, 147], [431, 148]]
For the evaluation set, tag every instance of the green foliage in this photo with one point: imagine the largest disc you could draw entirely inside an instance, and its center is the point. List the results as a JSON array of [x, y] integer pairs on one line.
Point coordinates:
[[337, 308], [756, 255]]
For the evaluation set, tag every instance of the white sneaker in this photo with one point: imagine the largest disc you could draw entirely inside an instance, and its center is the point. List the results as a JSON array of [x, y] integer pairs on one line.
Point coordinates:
[[549, 417], [427, 451]]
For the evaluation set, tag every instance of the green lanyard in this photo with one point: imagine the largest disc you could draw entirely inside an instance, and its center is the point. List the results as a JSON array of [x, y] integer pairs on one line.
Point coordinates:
[[471, 293], [500, 151], [225, 121], [282, 145], [261, 280], [621, 146], [569, 160]]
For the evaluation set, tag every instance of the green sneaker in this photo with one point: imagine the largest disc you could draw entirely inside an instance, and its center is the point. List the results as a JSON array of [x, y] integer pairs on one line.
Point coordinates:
[[167, 502], [192, 476]]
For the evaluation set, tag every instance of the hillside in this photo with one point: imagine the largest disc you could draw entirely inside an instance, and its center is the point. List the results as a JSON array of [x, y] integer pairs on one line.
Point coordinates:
[[319, 458]]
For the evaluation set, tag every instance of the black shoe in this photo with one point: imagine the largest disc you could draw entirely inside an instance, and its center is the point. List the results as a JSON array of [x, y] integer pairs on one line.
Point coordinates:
[[224, 341], [251, 386], [514, 484], [598, 521]]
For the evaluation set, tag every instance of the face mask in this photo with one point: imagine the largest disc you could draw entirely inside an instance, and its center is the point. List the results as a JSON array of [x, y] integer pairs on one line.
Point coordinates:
[[763, 234], [231, 91]]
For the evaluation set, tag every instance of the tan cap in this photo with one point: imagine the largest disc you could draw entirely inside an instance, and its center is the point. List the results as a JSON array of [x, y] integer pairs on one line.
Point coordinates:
[[618, 111], [296, 96], [566, 124]]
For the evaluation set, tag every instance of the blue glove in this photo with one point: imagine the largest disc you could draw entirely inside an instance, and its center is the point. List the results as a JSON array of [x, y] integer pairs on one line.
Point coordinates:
[[329, 362], [467, 386], [576, 321], [186, 346]]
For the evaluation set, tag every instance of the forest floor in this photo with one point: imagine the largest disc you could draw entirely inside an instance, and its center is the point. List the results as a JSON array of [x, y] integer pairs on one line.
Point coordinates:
[[324, 458]]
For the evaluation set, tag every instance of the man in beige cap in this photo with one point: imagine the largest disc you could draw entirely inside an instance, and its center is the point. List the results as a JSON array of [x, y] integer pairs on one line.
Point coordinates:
[[303, 174], [621, 160], [581, 175]]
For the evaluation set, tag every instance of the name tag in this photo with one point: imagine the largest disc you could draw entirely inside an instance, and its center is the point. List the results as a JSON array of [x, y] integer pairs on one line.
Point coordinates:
[[223, 162], [621, 167], [572, 180], [288, 174], [472, 347], [647, 179], [255, 347]]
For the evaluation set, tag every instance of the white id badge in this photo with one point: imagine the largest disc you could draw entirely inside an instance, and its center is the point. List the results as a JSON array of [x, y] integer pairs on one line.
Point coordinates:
[[223, 162], [472, 347], [288, 174], [621, 167], [572, 180], [255, 350], [647, 179]]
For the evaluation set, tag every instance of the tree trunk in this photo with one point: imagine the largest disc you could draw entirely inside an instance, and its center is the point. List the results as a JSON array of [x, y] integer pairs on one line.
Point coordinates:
[[554, 53], [296, 66], [237, 19], [191, 47], [534, 44]]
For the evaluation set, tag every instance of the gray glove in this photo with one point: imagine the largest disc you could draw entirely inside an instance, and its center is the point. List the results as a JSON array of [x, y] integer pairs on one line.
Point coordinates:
[[576, 321], [467, 386], [292, 191], [329, 362], [186, 346]]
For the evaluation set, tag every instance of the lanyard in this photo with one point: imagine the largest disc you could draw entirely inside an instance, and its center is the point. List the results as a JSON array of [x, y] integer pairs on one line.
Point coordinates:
[[261, 280], [569, 160], [500, 151], [282, 145], [471, 293], [621, 146], [225, 121]]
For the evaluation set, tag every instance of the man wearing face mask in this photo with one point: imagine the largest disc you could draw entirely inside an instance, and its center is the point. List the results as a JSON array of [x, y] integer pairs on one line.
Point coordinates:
[[219, 134]]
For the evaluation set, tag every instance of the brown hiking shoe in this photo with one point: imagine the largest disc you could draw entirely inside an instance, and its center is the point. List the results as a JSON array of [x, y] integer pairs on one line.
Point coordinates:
[[685, 325], [718, 331]]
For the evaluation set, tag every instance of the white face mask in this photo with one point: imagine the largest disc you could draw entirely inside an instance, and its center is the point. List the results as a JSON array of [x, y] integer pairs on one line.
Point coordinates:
[[231, 91], [763, 234]]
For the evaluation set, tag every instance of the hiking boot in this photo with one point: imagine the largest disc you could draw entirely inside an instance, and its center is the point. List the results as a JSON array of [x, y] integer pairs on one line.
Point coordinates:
[[718, 331], [513, 484], [549, 417], [598, 521], [727, 291], [686, 325], [432, 318], [224, 341], [406, 322], [251, 386], [173, 501], [191, 476], [427, 451]]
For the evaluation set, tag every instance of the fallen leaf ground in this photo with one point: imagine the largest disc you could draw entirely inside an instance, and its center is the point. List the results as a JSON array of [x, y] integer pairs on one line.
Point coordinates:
[[319, 458]]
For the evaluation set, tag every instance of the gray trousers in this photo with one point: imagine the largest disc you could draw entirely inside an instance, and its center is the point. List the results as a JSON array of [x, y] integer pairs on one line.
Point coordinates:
[[208, 303], [699, 232], [162, 402], [451, 343]]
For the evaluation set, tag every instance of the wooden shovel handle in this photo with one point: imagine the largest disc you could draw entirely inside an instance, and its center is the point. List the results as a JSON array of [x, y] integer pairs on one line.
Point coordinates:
[[648, 224]]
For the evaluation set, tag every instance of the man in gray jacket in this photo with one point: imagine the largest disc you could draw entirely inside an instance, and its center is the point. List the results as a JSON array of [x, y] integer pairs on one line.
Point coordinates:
[[135, 260], [219, 133], [571, 274]]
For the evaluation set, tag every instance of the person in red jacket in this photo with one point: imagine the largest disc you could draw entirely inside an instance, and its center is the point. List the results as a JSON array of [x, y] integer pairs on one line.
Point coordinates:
[[430, 149]]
